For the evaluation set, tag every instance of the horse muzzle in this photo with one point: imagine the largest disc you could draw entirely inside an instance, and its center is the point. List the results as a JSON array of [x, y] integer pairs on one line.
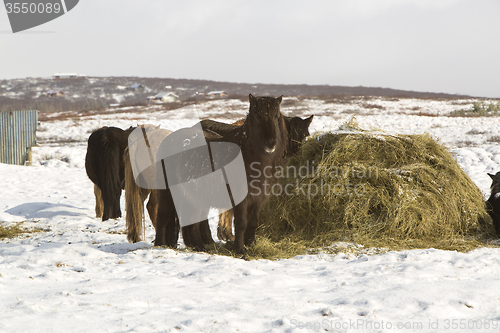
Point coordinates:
[[270, 150], [270, 143], [269, 146]]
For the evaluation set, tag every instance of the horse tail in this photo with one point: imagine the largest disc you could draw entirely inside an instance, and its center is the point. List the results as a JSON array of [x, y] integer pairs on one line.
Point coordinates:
[[133, 203], [110, 183], [225, 226], [99, 204]]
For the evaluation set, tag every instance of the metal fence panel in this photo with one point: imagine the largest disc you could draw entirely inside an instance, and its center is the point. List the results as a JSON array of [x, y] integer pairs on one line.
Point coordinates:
[[17, 135]]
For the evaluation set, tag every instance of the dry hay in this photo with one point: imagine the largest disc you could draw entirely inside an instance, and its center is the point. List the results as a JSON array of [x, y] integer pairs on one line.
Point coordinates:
[[376, 190], [14, 230]]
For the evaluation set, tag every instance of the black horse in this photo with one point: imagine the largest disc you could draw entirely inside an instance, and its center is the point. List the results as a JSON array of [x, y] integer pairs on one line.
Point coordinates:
[[104, 167], [493, 203], [263, 143]]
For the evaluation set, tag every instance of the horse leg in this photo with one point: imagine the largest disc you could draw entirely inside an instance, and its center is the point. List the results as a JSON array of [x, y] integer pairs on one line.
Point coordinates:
[[186, 236], [192, 236], [252, 223], [117, 212], [106, 213], [240, 225], [225, 226], [99, 204], [152, 207], [167, 230], [206, 233]]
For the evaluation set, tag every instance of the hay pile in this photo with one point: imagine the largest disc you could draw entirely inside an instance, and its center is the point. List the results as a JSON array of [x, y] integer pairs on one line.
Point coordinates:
[[392, 191]]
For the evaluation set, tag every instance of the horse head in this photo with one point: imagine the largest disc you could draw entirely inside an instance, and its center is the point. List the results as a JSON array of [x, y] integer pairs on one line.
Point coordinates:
[[298, 131], [265, 125], [495, 184]]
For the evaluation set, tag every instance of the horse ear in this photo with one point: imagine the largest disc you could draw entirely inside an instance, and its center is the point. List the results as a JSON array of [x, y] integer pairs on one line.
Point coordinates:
[[279, 99], [491, 176], [309, 120], [251, 98]]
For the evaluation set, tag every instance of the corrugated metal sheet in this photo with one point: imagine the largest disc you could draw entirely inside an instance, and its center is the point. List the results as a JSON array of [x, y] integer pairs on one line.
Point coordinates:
[[17, 134]]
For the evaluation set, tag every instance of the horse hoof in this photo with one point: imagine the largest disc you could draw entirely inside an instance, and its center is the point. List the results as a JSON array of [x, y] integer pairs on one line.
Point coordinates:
[[211, 242], [196, 248], [240, 252]]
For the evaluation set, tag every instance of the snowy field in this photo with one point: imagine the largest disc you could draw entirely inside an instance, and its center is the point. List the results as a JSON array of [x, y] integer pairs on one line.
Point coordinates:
[[81, 274]]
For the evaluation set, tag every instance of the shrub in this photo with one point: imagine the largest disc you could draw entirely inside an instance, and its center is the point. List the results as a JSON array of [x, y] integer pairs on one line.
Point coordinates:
[[479, 109]]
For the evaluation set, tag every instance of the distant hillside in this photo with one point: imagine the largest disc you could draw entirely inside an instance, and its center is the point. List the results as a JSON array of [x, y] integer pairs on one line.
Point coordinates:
[[100, 92]]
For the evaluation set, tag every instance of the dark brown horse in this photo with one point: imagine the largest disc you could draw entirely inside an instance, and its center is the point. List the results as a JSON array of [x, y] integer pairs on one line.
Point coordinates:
[[263, 143], [264, 146], [298, 130], [104, 167]]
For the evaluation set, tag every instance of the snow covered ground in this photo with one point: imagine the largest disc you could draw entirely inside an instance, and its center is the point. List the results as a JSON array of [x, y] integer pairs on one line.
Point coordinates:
[[81, 274]]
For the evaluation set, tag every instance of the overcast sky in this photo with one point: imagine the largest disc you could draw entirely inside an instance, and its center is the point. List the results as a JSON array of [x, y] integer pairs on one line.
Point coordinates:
[[450, 46]]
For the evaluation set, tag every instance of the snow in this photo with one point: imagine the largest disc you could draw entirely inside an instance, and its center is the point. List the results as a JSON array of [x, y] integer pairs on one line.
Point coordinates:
[[81, 275]]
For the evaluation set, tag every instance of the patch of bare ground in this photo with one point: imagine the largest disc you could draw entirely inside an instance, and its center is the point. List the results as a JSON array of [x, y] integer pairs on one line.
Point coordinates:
[[391, 99], [67, 115], [422, 114], [59, 141], [225, 107], [466, 144], [460, 102], [340, 99], [461, 113], [116, 232], [372, 106], [494, 139], [17, 230], [364, 112], [476, 132]]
